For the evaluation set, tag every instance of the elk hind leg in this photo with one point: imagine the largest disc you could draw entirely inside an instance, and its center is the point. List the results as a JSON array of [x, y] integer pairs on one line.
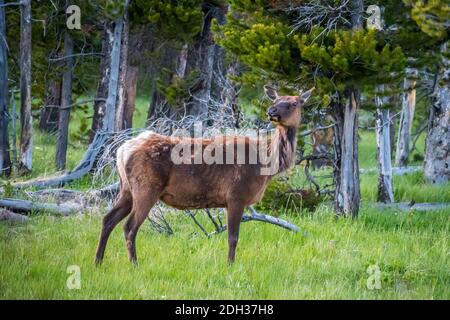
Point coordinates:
[[120, 210], [142, 204]]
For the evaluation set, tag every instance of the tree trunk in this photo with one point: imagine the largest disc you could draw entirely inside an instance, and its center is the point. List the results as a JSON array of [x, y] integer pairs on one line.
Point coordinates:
[[26, 119], [130, 97], [109, 122], [203, 55], [385, 192], [120, 108], [158, 103], [407, 115], [437, 151], [394, 102], [337, 113], [348, 193], [203, 96], [66, 102], [175, 111], [230, 113], [105, 69], [182, 62], [48, 118], [5, 160]]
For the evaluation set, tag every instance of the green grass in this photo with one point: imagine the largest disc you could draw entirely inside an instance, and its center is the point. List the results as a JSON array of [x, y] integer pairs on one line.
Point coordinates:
[[411, 249]]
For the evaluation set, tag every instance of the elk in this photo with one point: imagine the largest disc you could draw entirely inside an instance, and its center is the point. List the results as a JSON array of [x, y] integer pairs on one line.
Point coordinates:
[[148, 174]]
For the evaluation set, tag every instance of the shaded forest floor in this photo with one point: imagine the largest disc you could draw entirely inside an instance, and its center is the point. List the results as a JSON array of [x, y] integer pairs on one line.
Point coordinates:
[[410, 249]]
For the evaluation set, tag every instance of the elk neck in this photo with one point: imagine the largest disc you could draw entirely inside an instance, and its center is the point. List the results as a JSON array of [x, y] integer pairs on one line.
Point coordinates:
[[285, 139]]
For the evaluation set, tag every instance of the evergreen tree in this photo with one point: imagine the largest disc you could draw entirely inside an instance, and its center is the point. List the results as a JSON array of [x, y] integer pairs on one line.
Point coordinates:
[[299, 45]]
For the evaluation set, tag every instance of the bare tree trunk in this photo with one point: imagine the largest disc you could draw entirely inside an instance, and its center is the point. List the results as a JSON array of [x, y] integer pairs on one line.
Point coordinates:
[[178, 76], [26, 119], [14, 128], [102, 89], [109, 121], [394, 101], [182, 62], [158, 103], [205, 50], [5, 160], [120, 108], [337, 113], [407, 115], [437, 150], [66, 102], [203, 96], [48, 118], [130, 97], [385, 192], [348, 192], [230, 93]]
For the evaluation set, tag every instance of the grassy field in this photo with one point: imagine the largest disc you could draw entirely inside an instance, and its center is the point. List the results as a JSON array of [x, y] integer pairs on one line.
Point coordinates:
[[411, 250], [332, 261]]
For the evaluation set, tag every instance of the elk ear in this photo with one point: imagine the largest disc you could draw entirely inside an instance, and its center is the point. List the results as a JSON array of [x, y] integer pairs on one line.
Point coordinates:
[[271, 93], [304, 96]]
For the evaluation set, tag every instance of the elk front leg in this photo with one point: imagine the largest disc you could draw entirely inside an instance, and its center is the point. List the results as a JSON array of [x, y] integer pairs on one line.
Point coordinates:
[[234, 216]]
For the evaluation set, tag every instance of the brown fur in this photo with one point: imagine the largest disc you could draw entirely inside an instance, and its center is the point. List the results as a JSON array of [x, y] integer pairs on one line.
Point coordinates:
[[147, 174]]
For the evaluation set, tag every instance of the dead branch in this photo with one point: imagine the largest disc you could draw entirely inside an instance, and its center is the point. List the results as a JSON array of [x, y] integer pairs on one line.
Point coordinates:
[[256, 216], [270, 219], [76, 55], [159, 223], [309, 132], [416, 135], [190, 214]]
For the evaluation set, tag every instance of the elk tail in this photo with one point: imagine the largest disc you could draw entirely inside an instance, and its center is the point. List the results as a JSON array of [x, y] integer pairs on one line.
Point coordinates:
[[122, 157]]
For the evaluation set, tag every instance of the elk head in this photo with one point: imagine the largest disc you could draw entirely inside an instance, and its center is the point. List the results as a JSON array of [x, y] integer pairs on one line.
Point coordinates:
[[286, 110]]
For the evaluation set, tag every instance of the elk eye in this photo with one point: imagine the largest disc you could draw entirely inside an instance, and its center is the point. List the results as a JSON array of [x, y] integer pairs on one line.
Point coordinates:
[[295, 104]]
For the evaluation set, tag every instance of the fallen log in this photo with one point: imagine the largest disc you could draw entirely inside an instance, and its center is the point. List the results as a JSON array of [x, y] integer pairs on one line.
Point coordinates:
[[398, 171], [405, 206], [18, 205], [269, 219], [6, 215], [84, 167]]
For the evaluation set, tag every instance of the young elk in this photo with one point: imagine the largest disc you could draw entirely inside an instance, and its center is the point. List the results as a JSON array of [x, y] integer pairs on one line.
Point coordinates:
[[148, 174]]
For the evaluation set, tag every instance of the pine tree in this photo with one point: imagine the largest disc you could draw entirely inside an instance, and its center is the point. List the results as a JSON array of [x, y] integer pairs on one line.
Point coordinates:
[[299, 45]]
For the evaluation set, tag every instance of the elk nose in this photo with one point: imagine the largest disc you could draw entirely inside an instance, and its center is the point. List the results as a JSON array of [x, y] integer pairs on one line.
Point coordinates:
[[272, 111]]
